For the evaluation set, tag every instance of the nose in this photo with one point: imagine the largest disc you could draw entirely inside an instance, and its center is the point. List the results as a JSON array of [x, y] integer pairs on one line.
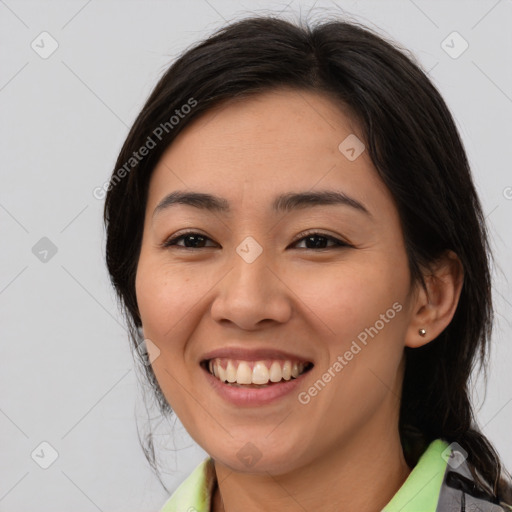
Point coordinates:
[[252, 295]]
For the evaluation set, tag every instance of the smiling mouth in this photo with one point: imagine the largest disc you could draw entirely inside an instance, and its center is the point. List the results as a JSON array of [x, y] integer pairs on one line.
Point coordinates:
[[255, 374]]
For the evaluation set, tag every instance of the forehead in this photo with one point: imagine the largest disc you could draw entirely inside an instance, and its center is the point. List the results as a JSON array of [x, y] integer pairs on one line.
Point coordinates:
[[284, 121], [266, 144]]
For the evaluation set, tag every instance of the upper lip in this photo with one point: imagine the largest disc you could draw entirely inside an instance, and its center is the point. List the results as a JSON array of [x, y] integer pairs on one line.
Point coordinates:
[[256, 354]]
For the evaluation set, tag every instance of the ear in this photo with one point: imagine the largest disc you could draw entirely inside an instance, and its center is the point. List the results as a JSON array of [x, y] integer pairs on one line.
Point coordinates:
[[435, 306]]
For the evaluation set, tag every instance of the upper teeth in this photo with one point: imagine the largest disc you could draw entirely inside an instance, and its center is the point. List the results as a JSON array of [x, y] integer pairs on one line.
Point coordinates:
[[254, 372]]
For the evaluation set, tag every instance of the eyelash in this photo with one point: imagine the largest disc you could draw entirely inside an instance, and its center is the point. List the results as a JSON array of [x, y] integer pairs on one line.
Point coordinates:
[[338, 243]]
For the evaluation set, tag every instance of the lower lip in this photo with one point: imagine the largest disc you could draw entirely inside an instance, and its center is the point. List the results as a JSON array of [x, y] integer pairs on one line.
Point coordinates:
[[252, 397]]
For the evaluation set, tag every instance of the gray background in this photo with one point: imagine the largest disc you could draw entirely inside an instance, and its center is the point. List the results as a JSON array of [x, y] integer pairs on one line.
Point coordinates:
[[67, 374]]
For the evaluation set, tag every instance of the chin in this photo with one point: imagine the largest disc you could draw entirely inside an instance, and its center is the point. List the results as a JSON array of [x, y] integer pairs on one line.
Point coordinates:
[[255, 458]]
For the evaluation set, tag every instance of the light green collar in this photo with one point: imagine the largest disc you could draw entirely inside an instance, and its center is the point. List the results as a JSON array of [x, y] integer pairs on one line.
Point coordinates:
[[194, 493], [419, 493]]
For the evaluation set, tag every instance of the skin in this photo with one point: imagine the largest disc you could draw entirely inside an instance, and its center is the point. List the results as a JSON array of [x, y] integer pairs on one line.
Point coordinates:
[[312, 302]]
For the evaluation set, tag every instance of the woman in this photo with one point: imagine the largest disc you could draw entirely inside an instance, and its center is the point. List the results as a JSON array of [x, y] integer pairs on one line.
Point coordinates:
[[293, 231]]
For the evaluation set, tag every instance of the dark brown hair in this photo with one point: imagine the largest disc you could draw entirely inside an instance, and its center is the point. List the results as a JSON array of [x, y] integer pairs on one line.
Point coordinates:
[[415, 147]]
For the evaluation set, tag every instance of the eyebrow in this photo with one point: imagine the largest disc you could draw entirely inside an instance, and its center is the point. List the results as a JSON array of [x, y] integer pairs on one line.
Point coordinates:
[[282, 203]]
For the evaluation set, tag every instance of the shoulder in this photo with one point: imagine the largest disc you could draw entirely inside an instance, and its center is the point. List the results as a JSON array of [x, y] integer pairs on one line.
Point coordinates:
[[459, 489], [442, 481]]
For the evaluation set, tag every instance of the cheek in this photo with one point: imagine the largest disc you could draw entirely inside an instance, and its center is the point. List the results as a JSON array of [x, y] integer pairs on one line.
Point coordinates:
[[164, 293], [164, 296], [363, 305], [350, 296]]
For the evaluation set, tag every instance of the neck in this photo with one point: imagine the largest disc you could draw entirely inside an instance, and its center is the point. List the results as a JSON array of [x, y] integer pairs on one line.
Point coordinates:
[[364, 474]]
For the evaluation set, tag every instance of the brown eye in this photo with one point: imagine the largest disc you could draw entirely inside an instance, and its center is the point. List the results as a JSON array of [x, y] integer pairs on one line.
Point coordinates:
[[319, 241], [192, 240]]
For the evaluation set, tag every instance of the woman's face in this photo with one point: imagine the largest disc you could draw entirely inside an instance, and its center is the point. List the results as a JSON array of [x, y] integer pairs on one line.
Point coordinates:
[[261, 282]]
